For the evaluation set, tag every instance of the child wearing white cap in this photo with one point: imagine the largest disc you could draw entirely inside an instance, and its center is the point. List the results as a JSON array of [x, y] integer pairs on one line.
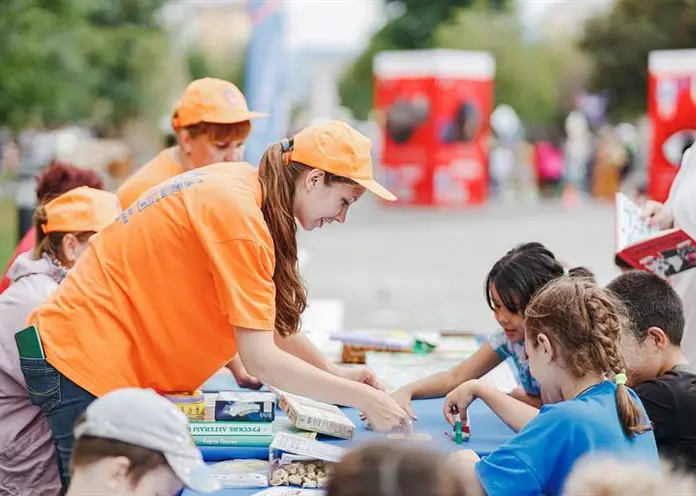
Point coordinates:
[[135, 442]]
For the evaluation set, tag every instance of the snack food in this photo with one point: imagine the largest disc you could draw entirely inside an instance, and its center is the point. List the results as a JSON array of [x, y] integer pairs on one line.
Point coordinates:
[[302, 462]]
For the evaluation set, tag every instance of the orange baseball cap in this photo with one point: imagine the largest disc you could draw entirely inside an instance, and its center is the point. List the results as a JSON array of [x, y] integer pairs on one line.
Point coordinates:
[[337, 148], [80, 210], [211, 100]]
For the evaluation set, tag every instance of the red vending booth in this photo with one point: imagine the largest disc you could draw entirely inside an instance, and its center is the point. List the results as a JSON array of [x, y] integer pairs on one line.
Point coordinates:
[[672, 113], [434, 107]]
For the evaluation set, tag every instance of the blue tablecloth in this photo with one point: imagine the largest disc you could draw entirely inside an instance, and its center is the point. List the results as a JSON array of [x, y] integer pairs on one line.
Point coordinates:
[[487, 433]]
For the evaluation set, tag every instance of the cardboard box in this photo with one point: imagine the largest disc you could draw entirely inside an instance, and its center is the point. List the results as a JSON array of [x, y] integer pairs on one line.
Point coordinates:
[[315, 416]]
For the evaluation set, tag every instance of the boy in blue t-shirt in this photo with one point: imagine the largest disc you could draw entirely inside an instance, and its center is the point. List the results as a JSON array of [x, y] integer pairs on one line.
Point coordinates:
[[572, 332]]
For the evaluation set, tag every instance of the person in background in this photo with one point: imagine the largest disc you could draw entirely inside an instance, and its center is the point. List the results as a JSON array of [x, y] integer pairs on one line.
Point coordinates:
[[63, 227], [57, 179], [572, 331], [390, 469], [608, 476], [658, 370], [680, 211], [150, 453], [510, 286], [211, 122], [207, 266]]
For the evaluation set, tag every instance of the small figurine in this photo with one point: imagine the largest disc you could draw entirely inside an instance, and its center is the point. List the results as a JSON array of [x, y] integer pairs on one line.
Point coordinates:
[[461, 430]]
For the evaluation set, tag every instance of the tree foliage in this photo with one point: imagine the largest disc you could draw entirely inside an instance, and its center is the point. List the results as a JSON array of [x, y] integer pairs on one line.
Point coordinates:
[[536, 79], [619, 42], [67, 60], [414, 29]]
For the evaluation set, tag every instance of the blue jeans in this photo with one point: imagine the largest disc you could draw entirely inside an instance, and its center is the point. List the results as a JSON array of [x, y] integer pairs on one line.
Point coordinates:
[[62, 402]]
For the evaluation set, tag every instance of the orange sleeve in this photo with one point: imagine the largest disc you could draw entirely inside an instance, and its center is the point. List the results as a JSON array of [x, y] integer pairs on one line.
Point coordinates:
[[242, 270]]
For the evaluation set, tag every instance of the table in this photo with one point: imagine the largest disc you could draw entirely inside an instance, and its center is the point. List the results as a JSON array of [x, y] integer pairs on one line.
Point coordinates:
[[487, 433]]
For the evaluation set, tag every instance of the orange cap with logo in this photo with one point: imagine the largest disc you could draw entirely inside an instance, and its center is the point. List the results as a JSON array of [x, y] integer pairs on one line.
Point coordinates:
[[82, 209], [337, 148], [211, 100]]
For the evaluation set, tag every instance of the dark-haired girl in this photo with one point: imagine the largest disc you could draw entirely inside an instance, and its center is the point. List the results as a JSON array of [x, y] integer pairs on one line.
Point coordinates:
[[572, 330], [509, 287]]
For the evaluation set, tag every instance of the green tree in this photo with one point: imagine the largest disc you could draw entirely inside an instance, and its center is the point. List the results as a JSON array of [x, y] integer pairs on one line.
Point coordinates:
[[530, 77], [414, 29], [67, 60], [201, 65], [43, 76], [618, 44], [127, 46]]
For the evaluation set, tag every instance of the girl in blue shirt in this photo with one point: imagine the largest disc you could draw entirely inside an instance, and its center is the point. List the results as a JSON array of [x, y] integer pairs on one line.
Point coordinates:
[[509, 287], [572, 328]]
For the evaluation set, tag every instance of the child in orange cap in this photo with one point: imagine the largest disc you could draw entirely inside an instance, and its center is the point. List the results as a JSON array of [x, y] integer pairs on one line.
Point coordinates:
[[63, 228], [202, 267], [211, 122]]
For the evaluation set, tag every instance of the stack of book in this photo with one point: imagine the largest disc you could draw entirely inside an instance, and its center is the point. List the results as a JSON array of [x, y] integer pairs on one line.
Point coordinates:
[[236, 418]]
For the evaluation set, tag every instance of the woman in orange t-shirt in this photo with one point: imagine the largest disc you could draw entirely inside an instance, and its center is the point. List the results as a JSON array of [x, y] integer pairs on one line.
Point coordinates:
[[199, 268], [212, 122]]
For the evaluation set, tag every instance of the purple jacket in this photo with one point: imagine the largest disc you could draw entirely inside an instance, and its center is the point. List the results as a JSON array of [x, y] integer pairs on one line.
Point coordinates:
[[28, 460]]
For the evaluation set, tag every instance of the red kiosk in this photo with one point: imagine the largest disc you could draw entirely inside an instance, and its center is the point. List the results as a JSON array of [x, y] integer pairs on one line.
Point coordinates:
[[672, 113], [435, 107]]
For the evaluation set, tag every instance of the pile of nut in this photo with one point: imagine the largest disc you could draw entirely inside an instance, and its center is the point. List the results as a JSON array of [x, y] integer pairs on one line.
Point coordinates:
[[304, 474]]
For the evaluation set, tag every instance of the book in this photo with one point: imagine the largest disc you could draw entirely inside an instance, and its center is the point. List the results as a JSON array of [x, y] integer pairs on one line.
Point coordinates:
[[231, 428], [645, 247], [396, 340], [240, 440]]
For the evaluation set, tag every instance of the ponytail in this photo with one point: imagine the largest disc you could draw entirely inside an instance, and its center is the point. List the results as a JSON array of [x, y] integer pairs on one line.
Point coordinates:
[[631, 415], [278, 175], [278, 184], [44, 242]]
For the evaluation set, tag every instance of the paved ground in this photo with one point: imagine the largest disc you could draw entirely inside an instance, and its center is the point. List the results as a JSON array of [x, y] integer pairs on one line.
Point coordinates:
[[425, 269]]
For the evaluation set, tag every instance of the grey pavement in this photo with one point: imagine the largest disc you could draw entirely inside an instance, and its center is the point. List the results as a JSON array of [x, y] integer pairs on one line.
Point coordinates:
[[424, 269]]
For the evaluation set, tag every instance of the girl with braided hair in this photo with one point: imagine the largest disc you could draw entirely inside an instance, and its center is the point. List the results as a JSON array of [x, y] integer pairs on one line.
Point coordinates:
[[572, 330]]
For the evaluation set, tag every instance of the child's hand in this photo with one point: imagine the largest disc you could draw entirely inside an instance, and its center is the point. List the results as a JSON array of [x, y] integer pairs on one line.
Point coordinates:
[[403, 398], [459, 400]]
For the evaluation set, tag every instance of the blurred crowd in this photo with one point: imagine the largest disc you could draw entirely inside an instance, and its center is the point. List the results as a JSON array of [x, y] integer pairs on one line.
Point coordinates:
[[31, 151], [584, 162]]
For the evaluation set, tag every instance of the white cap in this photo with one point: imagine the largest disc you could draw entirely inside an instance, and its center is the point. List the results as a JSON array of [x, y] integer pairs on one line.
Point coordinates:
[[143, 418]]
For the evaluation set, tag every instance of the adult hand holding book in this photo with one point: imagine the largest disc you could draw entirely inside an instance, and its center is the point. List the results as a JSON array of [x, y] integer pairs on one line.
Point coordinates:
[[643, 242], [658, 214]]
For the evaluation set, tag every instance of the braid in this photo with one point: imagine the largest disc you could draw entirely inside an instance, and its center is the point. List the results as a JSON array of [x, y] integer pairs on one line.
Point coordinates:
[[584, 323]]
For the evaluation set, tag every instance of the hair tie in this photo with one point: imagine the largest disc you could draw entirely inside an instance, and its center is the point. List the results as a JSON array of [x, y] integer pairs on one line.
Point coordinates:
[[285, 144], [620, 379]]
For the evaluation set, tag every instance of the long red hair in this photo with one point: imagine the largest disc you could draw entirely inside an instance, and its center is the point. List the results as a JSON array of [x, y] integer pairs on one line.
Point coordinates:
[[278, 181]]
